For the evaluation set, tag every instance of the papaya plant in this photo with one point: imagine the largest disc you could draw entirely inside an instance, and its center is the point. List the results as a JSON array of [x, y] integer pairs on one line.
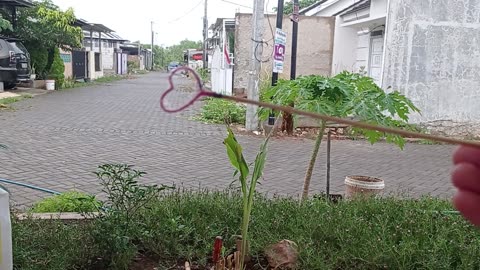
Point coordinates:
[[248, 188], [344, 95]]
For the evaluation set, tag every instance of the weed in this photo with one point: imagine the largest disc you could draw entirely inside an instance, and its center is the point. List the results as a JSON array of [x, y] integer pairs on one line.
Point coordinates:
[[72, 83], [51, 245], [218, 111], [119, 226], [67, 202]]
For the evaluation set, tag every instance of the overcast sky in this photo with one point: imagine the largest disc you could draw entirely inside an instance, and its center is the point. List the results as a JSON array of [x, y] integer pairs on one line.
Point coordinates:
[[175, 20]]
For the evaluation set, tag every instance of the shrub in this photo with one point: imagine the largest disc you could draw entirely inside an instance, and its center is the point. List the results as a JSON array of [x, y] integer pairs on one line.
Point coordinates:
[[58, 69], [218, 111], [67, 202]]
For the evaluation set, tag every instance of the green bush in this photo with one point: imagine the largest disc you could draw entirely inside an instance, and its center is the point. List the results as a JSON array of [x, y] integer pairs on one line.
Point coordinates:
[[67, 202], [58, 69], [218, 111]]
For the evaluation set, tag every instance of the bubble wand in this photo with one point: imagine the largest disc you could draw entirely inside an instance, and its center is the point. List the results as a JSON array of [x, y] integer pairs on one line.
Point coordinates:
[[202, 92]]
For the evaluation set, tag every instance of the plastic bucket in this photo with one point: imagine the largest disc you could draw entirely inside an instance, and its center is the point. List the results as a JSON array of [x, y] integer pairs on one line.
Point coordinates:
[[50, 84], [363, 186]]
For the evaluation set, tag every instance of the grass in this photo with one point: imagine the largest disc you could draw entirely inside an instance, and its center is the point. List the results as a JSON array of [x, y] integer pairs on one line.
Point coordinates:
[[66, 203], [5, 102], [366, 234], [71, 84], [218, 111]]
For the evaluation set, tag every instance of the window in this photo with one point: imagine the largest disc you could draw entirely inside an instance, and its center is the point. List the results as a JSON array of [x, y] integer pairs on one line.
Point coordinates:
[[97, 62], [66, 57]]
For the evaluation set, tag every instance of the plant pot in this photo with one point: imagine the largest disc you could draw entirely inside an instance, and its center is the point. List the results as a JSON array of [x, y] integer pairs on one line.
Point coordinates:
[[50, 85], [363, 186]]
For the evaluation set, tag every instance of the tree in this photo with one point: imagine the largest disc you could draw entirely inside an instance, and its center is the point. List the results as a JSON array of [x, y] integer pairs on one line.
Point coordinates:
[[288, 8], [45, 28], [4, 24], [345, 95]]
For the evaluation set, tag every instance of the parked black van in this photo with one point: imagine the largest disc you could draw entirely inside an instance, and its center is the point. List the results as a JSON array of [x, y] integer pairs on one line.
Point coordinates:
[[14, 62]]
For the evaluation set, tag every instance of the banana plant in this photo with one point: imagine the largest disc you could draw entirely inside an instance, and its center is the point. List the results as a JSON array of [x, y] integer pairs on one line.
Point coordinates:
[[235, 154]]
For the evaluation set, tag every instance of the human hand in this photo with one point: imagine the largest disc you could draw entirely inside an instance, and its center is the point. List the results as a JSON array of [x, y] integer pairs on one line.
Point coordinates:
[[466, 177]]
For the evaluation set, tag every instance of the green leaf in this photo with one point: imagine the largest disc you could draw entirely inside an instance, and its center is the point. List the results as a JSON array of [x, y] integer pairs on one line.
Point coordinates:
[[235, 155]]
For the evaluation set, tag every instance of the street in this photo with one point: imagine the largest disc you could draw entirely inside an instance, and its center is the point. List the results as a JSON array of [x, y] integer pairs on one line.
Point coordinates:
[[57, 141]]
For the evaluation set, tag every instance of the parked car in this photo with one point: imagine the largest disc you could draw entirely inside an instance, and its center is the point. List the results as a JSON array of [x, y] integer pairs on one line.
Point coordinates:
[[8, 65], [172, 66], [14, 62], [24, 69]]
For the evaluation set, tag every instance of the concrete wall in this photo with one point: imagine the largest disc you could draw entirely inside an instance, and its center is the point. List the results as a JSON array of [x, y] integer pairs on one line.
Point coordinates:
[[93, 75], [433, 56], [315, 47]]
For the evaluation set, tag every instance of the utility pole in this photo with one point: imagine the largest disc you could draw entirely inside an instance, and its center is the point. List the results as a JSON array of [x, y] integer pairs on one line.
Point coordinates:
[[288, 123], [295, 18], [271, 119], [258, 29], [205, 36], [279, 26], [153, 42]]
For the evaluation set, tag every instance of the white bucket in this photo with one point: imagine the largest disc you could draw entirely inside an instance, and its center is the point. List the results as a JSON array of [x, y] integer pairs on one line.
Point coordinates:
[[363, 185], [50, 84]]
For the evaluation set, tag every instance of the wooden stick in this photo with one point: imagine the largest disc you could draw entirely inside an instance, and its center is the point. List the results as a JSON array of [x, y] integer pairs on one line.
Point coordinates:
[[354, 123]]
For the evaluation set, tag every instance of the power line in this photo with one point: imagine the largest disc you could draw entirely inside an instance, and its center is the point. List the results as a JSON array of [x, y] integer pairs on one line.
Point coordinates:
[[236, 4], [187, 13]]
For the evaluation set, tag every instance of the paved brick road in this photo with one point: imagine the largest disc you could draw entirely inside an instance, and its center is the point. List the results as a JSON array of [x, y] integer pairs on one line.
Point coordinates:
[[57, 140]]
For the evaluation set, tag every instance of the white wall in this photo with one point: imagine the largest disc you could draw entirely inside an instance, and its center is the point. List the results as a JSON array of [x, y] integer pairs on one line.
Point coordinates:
[[433, 57], [379, 8], [344, 52], [107, 56]]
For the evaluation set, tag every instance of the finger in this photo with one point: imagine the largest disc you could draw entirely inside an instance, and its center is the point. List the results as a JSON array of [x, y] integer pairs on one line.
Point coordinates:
[[468, 204], [467, 155], [467, 177]]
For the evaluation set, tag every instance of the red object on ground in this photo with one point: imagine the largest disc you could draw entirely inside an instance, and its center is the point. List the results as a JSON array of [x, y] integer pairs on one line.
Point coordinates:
[[217, 249]]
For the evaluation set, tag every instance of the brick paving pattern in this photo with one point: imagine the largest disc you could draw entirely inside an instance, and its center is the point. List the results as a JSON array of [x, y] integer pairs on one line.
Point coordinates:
[[57, 140]]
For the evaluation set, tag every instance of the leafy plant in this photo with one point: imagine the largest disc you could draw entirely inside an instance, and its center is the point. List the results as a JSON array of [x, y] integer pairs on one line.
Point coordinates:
[[218, 111], [345, 95], [67, 202], [204, 74], [115, 232], [235, 155], [58, 69]]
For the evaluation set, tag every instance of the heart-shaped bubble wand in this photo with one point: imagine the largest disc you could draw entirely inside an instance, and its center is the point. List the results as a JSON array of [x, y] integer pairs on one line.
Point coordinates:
[[202, 92]]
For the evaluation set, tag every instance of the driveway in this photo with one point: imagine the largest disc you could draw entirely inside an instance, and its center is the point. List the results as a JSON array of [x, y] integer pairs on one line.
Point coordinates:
[[57, 140]]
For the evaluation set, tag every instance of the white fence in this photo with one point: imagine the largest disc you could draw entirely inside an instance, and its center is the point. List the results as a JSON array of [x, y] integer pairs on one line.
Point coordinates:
[[221, 73]]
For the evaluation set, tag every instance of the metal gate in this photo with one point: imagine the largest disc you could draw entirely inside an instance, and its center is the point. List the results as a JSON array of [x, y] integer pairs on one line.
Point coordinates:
[[79, 64]]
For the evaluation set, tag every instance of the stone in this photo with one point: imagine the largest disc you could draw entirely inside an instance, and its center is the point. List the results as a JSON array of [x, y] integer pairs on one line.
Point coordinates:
[[283, 255]]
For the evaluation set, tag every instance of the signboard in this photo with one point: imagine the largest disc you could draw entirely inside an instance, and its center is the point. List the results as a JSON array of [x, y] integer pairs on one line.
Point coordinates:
[[280, 48]]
